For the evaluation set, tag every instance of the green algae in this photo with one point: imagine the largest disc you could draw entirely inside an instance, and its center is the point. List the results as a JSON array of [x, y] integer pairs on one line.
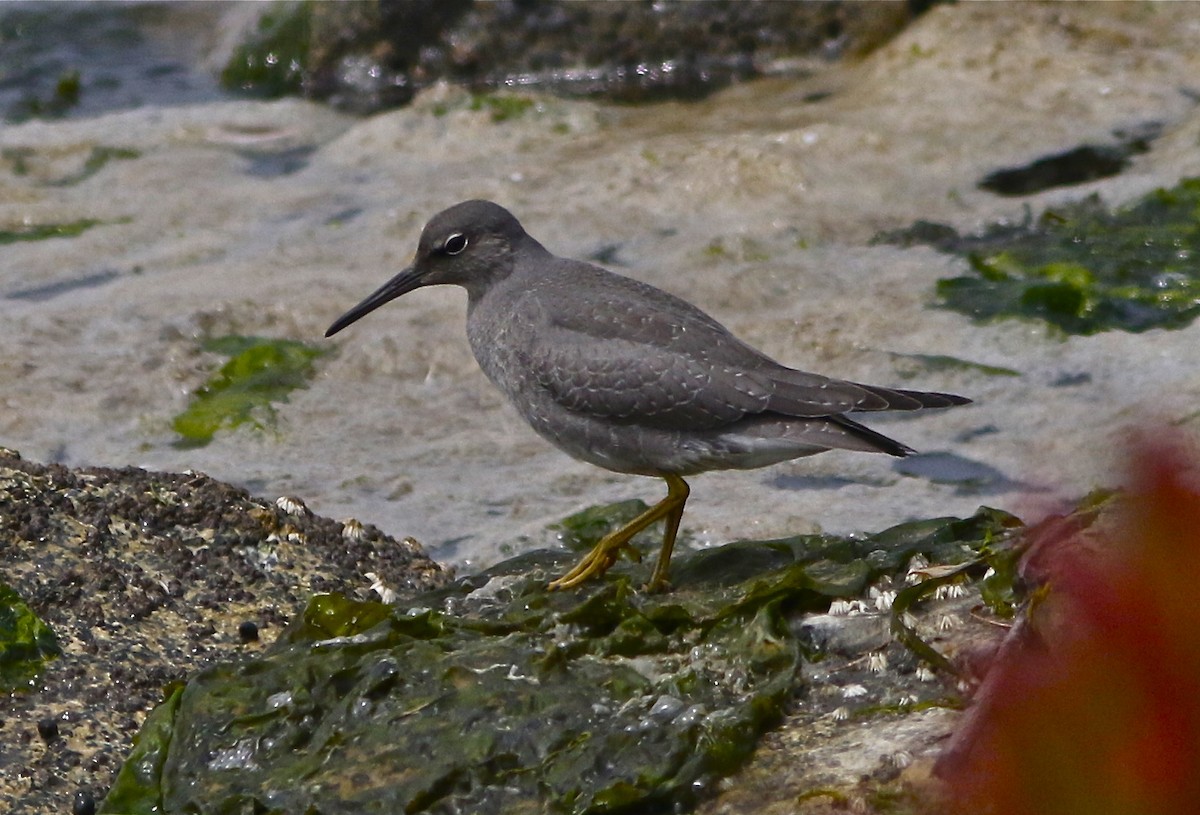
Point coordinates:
[[18, 158], [916, 364], [497, 696], [502, 106], [896, 799], [907, 599], [992, 560], [67, 89], [137, 786], [41, 232], [26, 643], [581, 531], [748, 250], [837, 798], [1080, 267], [260, 372], [1000, 586], [271, 63], [97, 159]]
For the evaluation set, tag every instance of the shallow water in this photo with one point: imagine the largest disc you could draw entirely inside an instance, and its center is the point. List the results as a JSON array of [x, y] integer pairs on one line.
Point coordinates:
[[124, 55], [757, 204]]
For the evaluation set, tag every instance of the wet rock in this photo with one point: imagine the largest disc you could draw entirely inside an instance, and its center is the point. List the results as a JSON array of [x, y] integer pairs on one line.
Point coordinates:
[[366, 56], [144, 578], [496, 695]]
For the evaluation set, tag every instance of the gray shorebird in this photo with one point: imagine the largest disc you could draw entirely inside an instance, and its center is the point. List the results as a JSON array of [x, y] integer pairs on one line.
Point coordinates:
[[627, 377]]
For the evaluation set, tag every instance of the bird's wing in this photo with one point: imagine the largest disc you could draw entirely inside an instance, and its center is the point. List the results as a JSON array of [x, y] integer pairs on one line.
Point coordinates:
[[681, 371], [620, 379], [650, 357]]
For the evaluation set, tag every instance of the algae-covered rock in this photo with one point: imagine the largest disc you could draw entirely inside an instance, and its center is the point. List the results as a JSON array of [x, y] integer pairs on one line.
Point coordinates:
[[496, 696], [134, 581], [26, 643], [1081, 268]]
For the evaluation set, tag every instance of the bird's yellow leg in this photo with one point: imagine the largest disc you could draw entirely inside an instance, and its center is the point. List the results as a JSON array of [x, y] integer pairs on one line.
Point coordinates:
[[677, 491], [604, 554]]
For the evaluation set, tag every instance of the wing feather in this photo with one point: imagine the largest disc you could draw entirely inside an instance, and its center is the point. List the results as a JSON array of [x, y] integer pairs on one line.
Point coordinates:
[[668, 364]]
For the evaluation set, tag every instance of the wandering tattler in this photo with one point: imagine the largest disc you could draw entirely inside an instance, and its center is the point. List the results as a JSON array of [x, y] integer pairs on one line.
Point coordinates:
[[627, 377]]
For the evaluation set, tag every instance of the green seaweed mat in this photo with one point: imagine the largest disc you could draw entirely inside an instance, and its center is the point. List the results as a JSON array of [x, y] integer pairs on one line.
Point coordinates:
[[496, 696]]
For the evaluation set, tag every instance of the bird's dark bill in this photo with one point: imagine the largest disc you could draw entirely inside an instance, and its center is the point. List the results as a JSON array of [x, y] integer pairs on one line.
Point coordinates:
[[402, 283]]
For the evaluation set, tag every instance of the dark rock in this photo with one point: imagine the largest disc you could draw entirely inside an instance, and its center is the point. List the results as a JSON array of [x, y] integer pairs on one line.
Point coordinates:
[[370, 55]]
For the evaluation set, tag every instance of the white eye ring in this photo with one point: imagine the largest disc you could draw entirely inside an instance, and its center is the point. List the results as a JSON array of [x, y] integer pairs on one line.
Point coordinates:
[[455, 244]]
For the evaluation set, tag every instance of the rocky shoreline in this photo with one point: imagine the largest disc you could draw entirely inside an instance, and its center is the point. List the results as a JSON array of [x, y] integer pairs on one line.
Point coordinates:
[[146, 578]]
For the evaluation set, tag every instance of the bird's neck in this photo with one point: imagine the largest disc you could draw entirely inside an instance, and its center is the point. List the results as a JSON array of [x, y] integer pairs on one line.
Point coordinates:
[[507, 272]]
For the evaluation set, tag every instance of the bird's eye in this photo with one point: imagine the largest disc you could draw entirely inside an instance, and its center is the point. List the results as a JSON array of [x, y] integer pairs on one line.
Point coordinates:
[[455, 244]]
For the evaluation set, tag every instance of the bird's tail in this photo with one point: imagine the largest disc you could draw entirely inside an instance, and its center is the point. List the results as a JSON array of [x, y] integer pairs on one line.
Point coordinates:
[[877, 440], [898, 399]]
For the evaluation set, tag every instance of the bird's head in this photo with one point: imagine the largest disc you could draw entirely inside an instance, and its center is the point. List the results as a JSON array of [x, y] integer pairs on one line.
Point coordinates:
[[469, 245]]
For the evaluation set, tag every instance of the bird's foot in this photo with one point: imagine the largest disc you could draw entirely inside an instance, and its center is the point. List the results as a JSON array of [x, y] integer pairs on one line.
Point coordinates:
[[598, 561], [657, 585], [604, 554], [658, 579]]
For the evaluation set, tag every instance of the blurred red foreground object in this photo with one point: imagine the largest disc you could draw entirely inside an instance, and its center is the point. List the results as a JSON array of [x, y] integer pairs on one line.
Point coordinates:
[[1093, 702]]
